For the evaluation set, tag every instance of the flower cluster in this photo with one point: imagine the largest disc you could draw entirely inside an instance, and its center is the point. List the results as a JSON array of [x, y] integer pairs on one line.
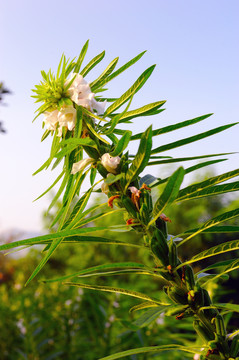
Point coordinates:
[[80, 93]]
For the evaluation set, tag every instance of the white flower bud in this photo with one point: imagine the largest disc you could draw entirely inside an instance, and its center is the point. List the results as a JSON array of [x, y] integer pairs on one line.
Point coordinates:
[[110, 163], [81, 165]]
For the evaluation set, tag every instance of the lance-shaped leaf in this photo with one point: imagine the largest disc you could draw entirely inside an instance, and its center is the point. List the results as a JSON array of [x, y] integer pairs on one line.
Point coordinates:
[[121, 69], [114, 290], [131, 91], [92, 64], [190, 169], [145, 110], [169, 194], [213, 190], [189, 158], [231, 307], [191, 189], [100, 80], [215, 250], [220, 264], [73, 236], [191, 139], [141, 159], [233, 265], [152, 349], [81, 57], [74, 143], [215, 230], [170, 128], [122, 144], [149, 316], [96, 269], [213, 222], [142, 306], [50, 187], [78, 210]]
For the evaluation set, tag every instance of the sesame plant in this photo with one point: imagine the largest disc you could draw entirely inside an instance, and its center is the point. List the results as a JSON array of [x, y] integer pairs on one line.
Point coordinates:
[[89, 142]]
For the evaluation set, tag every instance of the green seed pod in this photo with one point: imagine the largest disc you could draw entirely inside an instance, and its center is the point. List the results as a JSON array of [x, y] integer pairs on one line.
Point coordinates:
[[234, 348], [161, 239], [129, 206], [173, 253], [202, 331], [178, 295], [144, 214], [220, 326], [158, 250], [146, 198], [189, 277], [162, 226], [210, 313], [198, 296]]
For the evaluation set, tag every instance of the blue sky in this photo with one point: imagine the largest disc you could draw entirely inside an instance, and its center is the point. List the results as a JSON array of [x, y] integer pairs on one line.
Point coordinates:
[[193, 43]]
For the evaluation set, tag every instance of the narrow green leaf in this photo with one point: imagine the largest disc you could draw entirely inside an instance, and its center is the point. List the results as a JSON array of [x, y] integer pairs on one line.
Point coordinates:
[[100, 80], [76, 236], [59, 192], [121, 69], [220, 264], [191, 139], [145, 110], [73, 143], [213, 222], [173, 160], [191, 189], [216, 230], [81, 57], [169, 194], [177, 126], [92, 64], [131, 91], [144, 305], [152, 349], [149, 316], [94, 269], [122, 144], [215, 250], [232, 307], [96, 134], [114, 290], [93, 173], [213, 190], [52, 248], [50, 187], [141, 159], [116, 119], [234, 265], [77, 211]]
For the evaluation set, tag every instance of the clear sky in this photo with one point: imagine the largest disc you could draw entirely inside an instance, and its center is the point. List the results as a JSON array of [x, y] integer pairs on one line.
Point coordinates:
[[194, 44]]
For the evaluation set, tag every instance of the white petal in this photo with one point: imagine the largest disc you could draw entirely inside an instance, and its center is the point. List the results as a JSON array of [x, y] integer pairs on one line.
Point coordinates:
[[81, 165]]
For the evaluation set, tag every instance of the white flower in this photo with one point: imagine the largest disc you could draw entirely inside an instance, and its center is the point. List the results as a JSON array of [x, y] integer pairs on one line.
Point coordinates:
[[81, 165], [99, 107], [110, 163], [51, 119], [81, 94], [66, 117]]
